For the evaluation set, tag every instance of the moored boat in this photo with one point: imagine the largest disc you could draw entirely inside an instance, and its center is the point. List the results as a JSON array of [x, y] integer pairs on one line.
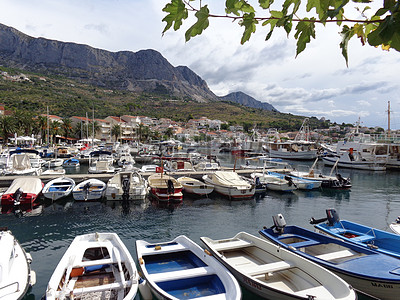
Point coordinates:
[[89, 190], [126, 186], [275, 273], [368, 271], [395, 226], [365, 236], [300, 183], [165, 188], [71, 163], [58, 188], [23, 190], [95, 266], [230, 184], [180, 269], [16, 275], [274, 183], [195, 187]]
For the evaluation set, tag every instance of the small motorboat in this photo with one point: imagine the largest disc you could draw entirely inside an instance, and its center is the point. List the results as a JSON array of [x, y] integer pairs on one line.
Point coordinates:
[[395, 226], [195, 187], [165, 188], [275, 273], [95, 266], [53, 163], [180, 269], [129, 186], [365, 236], [89, 190], [299, 182], [230, 184], [16, 275], [368, 271], [71, 163], [58, 188], [23, 190], [274, 183], [101, 162]]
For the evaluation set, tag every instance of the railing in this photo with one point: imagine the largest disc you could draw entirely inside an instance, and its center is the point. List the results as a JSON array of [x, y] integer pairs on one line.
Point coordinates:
[[11, 284]]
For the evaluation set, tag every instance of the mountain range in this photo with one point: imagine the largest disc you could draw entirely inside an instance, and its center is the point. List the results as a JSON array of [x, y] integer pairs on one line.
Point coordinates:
[[142, 71]]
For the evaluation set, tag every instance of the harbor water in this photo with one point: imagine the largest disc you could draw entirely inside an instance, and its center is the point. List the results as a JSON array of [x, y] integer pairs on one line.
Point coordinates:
[[47, 231]]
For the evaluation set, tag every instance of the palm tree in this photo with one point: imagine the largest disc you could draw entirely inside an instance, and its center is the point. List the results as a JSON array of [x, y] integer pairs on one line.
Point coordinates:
[[116, 131], [66, 127], [55, 129], [7, 127], [24, 121], [41, 124]]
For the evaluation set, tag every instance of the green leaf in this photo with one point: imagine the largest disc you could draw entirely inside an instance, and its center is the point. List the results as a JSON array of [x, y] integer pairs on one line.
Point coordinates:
[[265, 3], [177, 12], [304, 31], [347, 33], [237, 6], [201, 24], [362, 1], [249, 22]]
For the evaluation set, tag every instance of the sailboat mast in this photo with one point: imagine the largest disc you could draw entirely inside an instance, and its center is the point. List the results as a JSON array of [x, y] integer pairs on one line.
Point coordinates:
[[48, 126], [388, 118], [93, 127]]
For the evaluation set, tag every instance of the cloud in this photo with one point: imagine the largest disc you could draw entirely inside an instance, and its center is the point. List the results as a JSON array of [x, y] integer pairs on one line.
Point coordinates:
[[101, 28]]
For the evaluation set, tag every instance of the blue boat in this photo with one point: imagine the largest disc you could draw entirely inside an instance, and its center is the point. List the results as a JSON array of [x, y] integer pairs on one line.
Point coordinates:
[[365, 236], [71, 163], [181, 269], [368, 271], [301, 183]]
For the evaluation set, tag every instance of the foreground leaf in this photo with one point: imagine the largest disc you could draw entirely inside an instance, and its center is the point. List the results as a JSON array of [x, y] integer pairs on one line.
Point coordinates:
[[201, 24]]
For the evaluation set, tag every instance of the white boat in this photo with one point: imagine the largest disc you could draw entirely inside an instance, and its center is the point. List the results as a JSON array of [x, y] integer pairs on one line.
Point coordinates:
[[194, 186], [101, 162], [89, 190], [71, 163], [58, 188], [125, 159], [180, 269], [16, 275], [126, 186], [354, 160], [295, 150], [299, 182], [275, 273], [20, 165], [54, 172], [274, 183], [230, 184], [178, 165], [95, 266], [53, 163], [149, 168], [327, 181]]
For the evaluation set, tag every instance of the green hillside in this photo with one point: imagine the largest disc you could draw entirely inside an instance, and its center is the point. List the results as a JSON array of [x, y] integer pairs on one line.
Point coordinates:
[[65, 98]]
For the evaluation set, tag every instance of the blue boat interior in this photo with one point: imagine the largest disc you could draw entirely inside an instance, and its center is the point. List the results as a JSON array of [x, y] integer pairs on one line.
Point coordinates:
[[194, 287], [174, 261]]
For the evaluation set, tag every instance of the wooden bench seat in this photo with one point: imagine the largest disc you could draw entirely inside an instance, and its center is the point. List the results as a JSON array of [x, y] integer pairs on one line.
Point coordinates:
[[231, 245], [335, 255], [267, 268]]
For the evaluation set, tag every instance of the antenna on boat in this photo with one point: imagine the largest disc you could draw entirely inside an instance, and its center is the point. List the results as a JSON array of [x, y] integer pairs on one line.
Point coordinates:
[[388, 111]]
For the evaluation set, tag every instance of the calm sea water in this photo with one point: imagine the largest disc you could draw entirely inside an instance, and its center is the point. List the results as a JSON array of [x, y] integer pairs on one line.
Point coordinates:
[[47, 232]]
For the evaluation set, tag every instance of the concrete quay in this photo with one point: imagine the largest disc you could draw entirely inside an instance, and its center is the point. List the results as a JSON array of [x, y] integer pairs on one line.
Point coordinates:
[[5, 181]]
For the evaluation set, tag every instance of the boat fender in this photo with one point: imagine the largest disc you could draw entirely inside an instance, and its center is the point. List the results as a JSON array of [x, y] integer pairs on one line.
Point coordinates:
[[372, 246], [158, 247], [141, 261], [144, 290], [207, 252]]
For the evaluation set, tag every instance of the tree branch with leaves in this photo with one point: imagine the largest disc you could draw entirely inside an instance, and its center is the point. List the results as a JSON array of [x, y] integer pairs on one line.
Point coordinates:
[[381, 29]]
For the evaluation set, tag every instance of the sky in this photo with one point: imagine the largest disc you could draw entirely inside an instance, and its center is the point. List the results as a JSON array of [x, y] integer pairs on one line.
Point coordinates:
[[316, 83]]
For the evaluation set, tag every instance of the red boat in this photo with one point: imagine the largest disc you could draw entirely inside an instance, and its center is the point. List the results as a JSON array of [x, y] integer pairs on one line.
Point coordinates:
[[165, 188], [23, 190]]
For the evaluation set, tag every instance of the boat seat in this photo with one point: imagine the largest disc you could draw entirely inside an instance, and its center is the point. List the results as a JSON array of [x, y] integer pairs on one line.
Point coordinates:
[[267, 268], [181, 274], [104, 287], [335, 255], [164, 249], [338, 230], [304, 244], [231, 245], [363, 238]]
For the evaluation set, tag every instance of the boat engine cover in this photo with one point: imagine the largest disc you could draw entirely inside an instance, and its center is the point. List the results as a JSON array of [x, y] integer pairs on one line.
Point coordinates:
[[332, 215], [279, 222]]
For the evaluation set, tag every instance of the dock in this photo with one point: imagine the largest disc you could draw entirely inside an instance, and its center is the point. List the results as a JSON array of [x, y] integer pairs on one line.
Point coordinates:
[[5, 181]]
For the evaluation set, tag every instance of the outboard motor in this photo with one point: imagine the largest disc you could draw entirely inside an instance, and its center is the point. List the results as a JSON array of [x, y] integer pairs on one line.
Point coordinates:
[[125, 188], [279, 223], [332, 215], [17, 196], [170, 188], [85, 189], [289, 180]]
